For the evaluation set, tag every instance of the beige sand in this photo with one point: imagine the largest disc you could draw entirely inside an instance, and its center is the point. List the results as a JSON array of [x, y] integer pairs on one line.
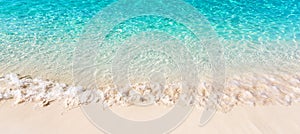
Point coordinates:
[[26, 119]]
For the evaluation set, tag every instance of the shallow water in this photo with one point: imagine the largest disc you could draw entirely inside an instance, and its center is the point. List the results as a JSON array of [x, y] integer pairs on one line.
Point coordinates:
[[41, 35], [38, 38]]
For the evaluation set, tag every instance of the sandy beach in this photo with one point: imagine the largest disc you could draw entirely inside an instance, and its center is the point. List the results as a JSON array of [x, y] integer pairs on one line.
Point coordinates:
[[140, 58], [21, 109], [28, 119]]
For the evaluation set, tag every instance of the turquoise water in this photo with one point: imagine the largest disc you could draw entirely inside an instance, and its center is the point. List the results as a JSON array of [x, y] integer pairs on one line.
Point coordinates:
[[231, 19], [39, 36]]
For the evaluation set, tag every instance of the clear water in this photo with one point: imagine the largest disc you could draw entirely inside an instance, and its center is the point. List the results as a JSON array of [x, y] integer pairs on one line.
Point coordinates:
[[260, 39], [38, 37]]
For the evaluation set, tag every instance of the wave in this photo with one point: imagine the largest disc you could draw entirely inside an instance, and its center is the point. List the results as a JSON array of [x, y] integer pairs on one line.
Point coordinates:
[[254, 89]]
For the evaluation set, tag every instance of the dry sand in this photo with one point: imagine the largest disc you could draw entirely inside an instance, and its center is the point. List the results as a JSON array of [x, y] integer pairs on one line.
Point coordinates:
[[28, 119]]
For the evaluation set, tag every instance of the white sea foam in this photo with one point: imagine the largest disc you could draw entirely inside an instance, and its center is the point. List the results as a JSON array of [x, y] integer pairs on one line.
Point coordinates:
[[239, 90]]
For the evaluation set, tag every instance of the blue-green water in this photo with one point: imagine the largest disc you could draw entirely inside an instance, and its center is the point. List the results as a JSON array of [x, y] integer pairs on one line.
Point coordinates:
[[42, 34], [231, 19]]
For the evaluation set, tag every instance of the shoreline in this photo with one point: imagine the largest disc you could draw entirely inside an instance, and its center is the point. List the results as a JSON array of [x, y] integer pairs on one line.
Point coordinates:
[[247, 90]]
